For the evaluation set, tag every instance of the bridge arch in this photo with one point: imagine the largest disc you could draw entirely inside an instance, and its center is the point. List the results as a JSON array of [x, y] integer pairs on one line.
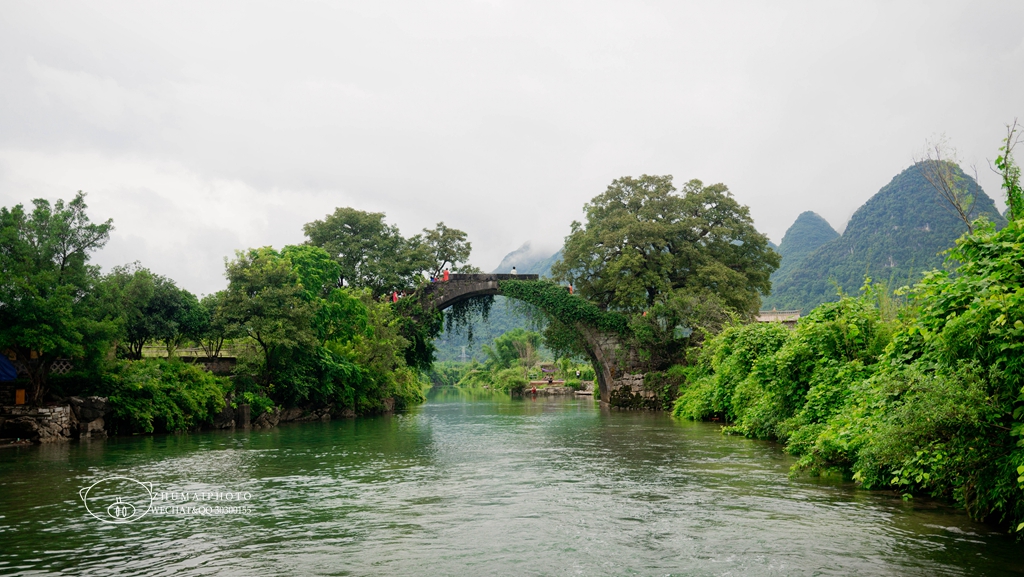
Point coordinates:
[[600, 330]]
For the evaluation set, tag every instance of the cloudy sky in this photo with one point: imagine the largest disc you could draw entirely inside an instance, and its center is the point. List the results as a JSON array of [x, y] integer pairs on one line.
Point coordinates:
[[206, 127]]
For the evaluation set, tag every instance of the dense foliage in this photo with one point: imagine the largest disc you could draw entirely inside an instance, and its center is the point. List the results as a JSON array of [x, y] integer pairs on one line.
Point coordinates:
[[643, 242], [924, 399], [156, 395], [150, 307], [373, 254], [899, 233], [300, 338], [318, 344], [45, 284]]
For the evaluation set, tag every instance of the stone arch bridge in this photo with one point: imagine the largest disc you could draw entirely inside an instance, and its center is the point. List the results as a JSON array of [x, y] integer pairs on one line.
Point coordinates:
[[615, 365]]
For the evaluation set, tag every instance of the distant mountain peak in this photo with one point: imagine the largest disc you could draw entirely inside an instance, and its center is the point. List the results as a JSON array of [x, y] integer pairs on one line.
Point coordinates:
[[893, 237], [528, 260]]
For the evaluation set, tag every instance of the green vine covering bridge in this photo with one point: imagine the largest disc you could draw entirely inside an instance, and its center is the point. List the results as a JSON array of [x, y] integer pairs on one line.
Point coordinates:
[[601, 333]]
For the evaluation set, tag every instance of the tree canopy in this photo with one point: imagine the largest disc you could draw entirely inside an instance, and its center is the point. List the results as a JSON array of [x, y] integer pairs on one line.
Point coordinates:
[[644, 241], [446, 247], [373, 254], [44, 277], [150, 307]]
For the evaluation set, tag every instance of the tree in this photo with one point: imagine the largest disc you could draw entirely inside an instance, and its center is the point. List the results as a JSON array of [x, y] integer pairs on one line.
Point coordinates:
[[643, 241], [317, 271], [337, 314], [150, 307], [44, 277], [941, 168], [187, 322], [370, 252], [214, 327], [1010, 173], [446, 246], [379, 353], [266, 301], [517, 346]]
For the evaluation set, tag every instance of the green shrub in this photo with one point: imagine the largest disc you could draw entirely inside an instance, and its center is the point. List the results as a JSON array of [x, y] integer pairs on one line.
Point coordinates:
[[157, 395], [587, 373], [923, 400], [258, 403], [708, 388], [448, 373], [510, 381]]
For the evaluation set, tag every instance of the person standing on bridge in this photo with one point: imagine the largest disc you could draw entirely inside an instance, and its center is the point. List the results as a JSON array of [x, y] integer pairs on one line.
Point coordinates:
[[446, 275], [514, 271]]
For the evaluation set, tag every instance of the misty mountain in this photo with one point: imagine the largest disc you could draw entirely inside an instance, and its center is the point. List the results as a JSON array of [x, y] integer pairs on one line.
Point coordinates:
[[894, 237], [528, 260]]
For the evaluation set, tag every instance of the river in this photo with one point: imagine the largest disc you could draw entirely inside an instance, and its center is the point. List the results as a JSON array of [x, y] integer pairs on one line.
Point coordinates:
[[468, 485]]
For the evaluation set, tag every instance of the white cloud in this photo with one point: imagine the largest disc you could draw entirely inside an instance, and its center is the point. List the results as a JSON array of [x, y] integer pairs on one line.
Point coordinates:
[[206, 128]]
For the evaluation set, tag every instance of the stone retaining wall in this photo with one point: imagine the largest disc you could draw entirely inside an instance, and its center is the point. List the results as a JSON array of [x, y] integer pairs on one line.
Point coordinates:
[[628, 392], [38, 424]]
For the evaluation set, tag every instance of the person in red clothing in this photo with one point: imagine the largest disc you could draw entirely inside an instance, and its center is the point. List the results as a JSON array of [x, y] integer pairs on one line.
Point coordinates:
[[445, 275], [394, 296]]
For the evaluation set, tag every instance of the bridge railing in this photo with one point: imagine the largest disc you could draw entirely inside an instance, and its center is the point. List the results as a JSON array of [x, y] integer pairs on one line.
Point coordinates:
[[490, 277]]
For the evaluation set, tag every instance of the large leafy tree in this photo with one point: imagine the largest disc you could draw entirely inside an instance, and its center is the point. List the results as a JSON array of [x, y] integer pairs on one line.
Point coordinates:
[[338, 314], [151, 307], [268, 304], [44, 279], [213, 326], [371, 253], [644, 241], [446, 247]]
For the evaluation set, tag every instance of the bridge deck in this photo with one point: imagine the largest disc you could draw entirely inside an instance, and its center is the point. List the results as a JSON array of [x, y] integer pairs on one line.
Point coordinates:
[[490, 277]]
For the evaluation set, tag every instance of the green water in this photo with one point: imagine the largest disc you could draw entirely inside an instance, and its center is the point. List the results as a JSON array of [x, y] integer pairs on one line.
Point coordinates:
[[474, 486]]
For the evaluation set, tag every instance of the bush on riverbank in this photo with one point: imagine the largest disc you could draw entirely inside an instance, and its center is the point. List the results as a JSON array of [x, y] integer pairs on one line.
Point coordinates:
[[448, 373], [926, 400], [258, 404], [156, 395]]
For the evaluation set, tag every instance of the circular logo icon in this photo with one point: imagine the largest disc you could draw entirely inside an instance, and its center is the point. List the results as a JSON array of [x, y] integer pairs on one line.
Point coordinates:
[[118, 499]]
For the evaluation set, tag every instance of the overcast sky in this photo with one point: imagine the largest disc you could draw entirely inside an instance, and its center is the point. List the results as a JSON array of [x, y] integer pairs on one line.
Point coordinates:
[[206, 127]]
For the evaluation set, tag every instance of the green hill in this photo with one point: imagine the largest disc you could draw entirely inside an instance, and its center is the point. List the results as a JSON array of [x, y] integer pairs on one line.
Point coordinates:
[[895, 236], [807, 234]]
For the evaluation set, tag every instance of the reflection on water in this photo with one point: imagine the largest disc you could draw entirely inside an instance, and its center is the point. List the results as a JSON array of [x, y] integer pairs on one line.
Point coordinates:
[[473, 483]]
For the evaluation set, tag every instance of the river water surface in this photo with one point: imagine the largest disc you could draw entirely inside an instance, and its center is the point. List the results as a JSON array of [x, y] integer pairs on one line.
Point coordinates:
[[471, 485]]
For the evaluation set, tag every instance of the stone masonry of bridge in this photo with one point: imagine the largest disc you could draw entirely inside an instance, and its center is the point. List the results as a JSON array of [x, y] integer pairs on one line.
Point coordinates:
[[618, 369]]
